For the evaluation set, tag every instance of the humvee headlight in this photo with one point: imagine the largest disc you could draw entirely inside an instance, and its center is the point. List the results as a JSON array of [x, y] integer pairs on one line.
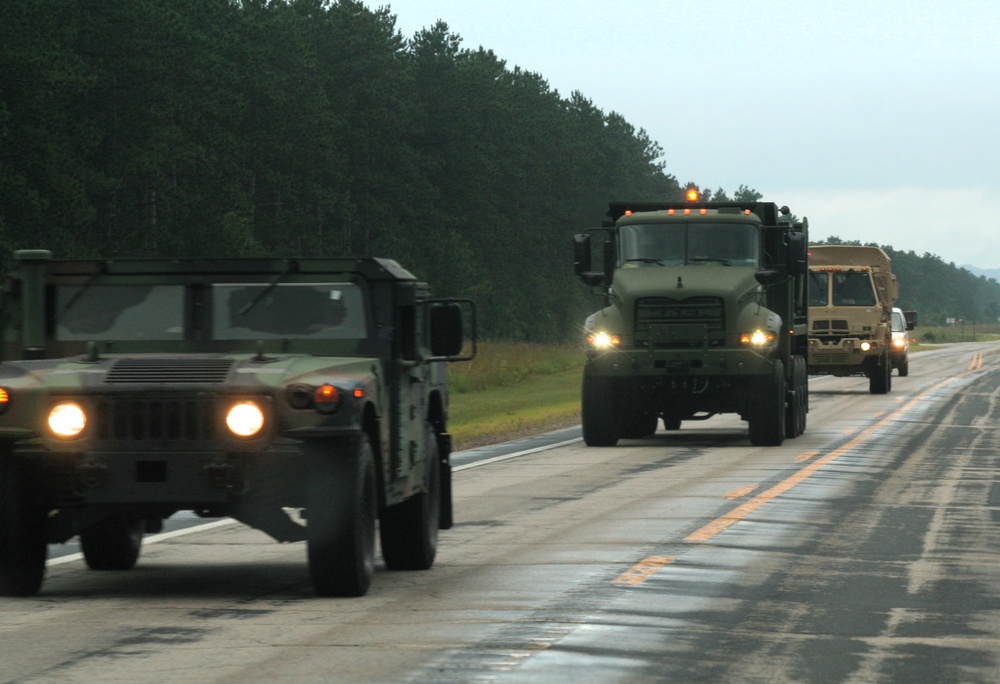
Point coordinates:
[[245, 419], [67, 420], [757, 338], [603, 340], [866, 345]]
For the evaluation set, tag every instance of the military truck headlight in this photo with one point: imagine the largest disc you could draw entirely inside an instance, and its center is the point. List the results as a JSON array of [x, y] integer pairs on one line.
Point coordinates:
[[866, 345], [67, 420], [245, 419], [603, 340], [757, 339]]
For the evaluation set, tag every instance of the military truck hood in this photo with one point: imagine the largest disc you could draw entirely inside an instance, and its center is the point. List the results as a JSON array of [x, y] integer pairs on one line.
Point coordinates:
[[681, 282], [234, 371]]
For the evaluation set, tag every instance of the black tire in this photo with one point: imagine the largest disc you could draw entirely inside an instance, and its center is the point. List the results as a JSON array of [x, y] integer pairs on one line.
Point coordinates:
[[671, 423], [766, 412], [795, 415], [113, 543], [904, 368], [598, 411], [342, 505], [880, 377], [409, 530], [23, 549]]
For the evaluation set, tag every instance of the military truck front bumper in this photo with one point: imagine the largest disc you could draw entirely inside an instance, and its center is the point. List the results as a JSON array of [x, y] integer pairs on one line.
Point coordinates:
[[845, 356], [673, 362]]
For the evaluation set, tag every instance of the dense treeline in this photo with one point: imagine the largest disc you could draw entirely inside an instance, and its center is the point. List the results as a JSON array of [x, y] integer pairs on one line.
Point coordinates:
[[310, 127], [938, 290], [306, 127]]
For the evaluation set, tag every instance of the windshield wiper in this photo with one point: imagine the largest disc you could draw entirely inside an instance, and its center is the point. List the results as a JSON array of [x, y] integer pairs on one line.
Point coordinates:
[[292, 267], [646, 260]]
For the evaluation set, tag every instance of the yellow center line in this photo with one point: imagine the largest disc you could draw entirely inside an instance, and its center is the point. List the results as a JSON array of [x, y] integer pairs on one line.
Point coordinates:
[[726, 521], [641, 571], [740, 492], [805, 456]]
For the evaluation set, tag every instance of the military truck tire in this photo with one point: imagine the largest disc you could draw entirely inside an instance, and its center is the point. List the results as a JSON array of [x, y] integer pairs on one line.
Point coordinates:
[[671, 423], [22, 535], [598, 412], [880, 377], [409, 530], [767, 408], [113, 543], [795, 418], [341, 508]]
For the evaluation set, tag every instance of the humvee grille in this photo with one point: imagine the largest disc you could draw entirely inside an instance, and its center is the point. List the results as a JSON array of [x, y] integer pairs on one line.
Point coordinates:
[[201, 371], [130, 419]]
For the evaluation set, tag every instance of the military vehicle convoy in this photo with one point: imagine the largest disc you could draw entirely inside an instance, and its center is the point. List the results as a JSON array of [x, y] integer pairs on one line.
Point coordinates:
[[274, 391], [706, 313], [851, 294]]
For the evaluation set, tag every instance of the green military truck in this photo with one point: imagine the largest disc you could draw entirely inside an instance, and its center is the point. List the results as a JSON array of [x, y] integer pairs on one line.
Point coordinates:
[[306, 398], [852, 290], [705, 314]]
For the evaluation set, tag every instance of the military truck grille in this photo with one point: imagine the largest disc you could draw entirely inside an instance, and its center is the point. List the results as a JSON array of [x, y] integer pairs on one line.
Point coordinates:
[[681, 323], [200, 371], [130, 419], [836, 326]]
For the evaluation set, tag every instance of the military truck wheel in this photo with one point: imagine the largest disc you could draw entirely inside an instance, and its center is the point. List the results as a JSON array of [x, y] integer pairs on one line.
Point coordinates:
[[598, 412], [798, 405], [409, 530], [22, 535], [113, 543], [767, 408], [671, 423], [880, 377], [341, 507]]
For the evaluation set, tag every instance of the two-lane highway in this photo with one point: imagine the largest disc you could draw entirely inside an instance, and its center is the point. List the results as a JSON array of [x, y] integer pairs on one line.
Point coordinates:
[[864, 550]]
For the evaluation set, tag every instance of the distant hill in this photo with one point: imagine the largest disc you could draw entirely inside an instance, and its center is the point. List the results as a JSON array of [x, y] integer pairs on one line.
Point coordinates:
[[993, 273]]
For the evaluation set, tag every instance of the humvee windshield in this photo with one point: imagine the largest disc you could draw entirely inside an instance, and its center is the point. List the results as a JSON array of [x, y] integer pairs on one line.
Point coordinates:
[[240, 311], [678, 244]]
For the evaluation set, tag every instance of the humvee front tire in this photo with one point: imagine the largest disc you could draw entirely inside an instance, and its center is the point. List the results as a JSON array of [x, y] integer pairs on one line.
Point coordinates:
[[598, 411], [341, 508], [22, 535], [113, 543], [409, 530], [767, 408]]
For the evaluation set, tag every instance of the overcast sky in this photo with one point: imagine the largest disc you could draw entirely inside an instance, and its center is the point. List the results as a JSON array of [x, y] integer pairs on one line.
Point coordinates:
[[878, 120]]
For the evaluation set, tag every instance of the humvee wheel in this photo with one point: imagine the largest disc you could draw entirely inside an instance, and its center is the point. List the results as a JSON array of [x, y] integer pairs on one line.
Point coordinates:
[[795, 417], [598, 411], [880, 377], [767, 408], [637, 424], [113, 543], [409, 530], [341, 507], [22, 535]]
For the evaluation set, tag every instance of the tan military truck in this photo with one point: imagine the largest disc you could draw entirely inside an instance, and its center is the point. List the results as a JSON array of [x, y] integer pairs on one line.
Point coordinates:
[[851, 293]]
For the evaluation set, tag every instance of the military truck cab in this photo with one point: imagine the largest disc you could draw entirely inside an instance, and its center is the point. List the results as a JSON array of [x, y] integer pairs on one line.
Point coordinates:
[[705, 314], [134, 389]]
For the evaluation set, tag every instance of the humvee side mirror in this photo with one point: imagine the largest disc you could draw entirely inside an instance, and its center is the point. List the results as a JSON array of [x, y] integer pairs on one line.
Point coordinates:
[[447, 336]]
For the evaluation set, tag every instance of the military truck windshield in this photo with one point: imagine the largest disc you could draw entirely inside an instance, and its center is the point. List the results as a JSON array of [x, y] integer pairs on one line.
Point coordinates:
[[288, 311], [679, 244], [119, 312], [853, 288], [819, 288]]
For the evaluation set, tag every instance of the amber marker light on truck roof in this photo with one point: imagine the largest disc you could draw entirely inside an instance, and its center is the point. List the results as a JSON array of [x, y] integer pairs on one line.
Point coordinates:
[[692, 195], [4, 399]]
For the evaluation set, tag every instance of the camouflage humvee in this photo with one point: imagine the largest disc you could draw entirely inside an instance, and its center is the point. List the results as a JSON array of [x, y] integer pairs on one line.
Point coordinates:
[[268, 390]]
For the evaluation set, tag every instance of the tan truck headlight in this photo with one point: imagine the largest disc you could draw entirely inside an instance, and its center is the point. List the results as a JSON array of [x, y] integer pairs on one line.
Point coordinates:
[[245, 419], [67, 420]]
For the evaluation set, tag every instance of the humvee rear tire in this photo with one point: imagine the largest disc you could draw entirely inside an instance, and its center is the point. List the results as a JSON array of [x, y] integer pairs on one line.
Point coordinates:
[[637, 424], [767, 408], [598, 412], [22, 535], [113, 543], [409, 530], [880, 376], [341, 508]]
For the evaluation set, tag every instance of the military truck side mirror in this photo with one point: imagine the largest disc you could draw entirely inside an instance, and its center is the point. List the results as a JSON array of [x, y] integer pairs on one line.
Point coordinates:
[[798, 251], [447, 331], [911, 319], [582, 259], [767, 276]]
